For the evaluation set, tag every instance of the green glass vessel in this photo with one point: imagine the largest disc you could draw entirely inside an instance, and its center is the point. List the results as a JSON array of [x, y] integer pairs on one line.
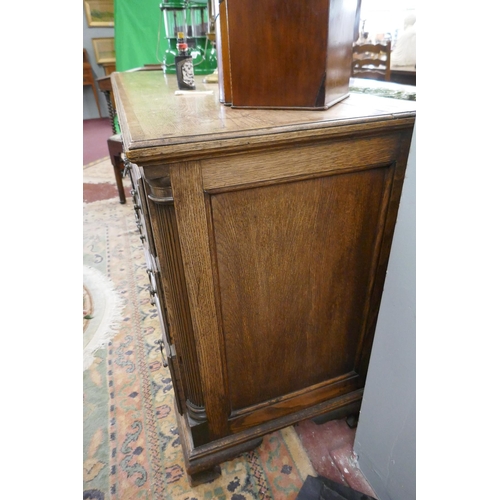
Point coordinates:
[[189, 17]]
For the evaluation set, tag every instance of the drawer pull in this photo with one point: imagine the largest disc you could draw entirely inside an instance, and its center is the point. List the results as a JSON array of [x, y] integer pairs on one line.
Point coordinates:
[[161, 344], [126, 169], [152, 293]]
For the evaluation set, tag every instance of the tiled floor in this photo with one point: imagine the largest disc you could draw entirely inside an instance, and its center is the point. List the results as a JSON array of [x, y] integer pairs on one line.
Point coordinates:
[[329, 445]]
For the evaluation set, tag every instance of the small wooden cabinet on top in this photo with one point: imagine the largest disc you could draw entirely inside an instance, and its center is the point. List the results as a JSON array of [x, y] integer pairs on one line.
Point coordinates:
[[267, 236]]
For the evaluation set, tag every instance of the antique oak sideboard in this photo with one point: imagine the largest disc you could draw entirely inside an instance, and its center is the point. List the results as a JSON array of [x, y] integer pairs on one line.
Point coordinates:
[[267, 236]]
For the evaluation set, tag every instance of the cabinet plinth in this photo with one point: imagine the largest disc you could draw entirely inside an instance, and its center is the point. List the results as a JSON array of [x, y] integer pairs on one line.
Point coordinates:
[[267, 236]]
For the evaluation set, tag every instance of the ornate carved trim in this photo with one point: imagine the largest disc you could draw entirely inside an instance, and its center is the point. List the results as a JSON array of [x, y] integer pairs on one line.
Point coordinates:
[[161, 190], [197, 413], [167, 197]]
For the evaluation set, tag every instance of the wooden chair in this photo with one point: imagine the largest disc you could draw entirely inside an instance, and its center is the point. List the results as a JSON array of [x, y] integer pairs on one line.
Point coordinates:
[[88, 78], [115, 145], [372, 61]]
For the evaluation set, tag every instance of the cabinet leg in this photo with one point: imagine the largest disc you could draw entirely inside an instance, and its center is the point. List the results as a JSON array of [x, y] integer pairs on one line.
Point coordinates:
[[339, 413], [208, 469], [204, 476], [352, 420]]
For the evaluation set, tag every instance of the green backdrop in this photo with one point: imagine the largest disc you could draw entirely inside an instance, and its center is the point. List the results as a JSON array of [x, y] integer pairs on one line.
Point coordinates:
[[139, 33]]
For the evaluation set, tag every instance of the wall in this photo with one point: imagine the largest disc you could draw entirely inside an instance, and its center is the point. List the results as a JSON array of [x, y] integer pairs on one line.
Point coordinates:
[[89, 105], [385, 439], [385, 16]]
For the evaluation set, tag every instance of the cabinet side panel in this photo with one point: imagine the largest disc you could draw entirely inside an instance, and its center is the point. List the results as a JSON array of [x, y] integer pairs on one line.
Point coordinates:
[[294, 292]]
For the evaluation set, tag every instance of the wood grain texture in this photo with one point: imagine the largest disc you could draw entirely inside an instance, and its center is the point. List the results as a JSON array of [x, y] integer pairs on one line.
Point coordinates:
[[143, 219], [174, 283], [193, 233], [387, 234], [298, 161], [272, 232], [290, 54], [296, 287], [294, 403], [156, 124], [209, 454], [341, 20]]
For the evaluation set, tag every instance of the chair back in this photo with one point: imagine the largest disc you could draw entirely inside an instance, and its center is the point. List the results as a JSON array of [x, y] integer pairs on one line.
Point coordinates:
[[372, 60], [105, 87], [104, 84]]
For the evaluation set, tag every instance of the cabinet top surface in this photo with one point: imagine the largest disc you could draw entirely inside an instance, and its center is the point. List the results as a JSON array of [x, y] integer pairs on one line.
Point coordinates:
[[152, 116]]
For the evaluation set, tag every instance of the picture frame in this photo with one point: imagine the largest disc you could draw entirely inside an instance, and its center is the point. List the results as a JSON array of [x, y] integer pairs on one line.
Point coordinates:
[[104, 50], [99, 13]]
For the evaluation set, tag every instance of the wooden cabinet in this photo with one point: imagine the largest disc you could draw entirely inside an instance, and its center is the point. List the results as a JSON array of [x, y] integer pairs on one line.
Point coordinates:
[[267, 235], [285, 54]]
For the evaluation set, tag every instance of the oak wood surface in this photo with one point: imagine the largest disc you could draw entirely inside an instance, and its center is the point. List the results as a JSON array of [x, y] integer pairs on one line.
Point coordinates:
[[295, 402], [272, 232], [194, 240], [297, 162], [158, 123], [197, 458], [144, 224], [164, 228], [296, 287]]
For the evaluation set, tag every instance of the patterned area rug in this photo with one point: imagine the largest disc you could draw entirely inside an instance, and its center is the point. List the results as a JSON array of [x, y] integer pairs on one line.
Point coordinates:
[[101, 172], [131, 447]]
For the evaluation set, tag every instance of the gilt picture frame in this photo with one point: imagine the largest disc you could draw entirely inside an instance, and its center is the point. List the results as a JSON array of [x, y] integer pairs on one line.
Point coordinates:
[[99, 13], [104, 50]]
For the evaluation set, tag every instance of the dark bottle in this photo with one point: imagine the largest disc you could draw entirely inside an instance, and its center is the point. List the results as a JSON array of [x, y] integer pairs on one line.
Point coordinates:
[[184, 65]]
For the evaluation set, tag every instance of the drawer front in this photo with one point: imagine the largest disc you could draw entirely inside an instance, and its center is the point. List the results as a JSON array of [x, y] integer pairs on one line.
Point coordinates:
[[141, 210], [172, 286], [165, 345], [157, 299]]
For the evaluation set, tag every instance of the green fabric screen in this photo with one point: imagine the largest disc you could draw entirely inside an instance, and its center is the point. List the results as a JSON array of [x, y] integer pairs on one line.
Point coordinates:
[[139, 33]]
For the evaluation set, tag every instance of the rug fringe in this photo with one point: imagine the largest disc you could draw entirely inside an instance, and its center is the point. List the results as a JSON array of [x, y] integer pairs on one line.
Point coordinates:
[[111, 316]]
